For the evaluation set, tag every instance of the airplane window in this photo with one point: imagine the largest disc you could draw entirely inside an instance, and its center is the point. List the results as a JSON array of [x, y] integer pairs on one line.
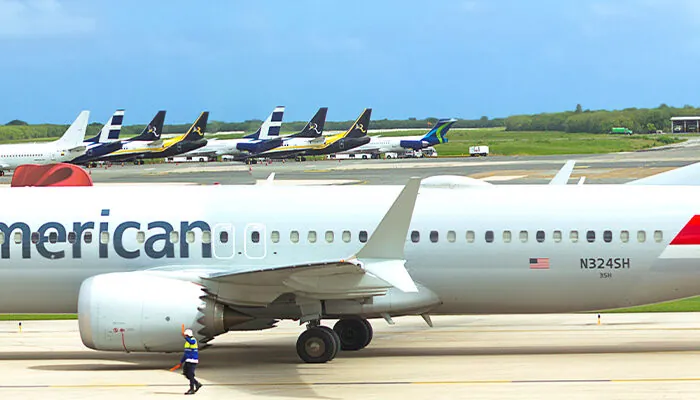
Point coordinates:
[[607, 236], [347, 236], [189, 236], [363, 236], [556, 235], [275, 236], [2, 237], [294, 236], [35, 237], [590, 236], [87, 237], [470, 236], [539, 236], [624, 236], [18, 237], [255, 237], [523, 236], [658, 236], [311, 237], [329, 236], [174, 237], [641, 236], [415, 237], [507, 237], [573, 235], [223, 237], [141, 236], [71, 237], [104, 237], [53, 237], [451, 236], [206, 237], [434, 236], [488, 236]]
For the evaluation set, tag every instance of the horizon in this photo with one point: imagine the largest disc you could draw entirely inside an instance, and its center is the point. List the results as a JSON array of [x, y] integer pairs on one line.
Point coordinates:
[[442, 59]]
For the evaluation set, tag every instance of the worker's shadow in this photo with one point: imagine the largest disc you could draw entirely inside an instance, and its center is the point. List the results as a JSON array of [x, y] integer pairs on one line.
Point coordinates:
[[275, 366]]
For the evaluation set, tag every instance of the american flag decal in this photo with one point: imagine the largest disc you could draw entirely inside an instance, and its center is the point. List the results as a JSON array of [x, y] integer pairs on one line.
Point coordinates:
[[539, 263]]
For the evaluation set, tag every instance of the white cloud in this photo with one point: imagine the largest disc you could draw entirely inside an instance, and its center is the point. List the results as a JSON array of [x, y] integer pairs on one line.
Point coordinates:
[[32, 18]]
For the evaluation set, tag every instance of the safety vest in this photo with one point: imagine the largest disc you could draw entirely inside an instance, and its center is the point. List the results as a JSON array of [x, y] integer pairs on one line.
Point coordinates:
[[191, 350]]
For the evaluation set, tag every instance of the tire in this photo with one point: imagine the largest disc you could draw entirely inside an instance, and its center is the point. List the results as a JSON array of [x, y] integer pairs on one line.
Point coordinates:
[[336, 338], [355, 333], [316, 345], [364, 157]]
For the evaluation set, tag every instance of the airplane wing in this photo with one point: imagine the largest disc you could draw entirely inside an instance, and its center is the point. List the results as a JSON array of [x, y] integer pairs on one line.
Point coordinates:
[[688, 175], [562, 177], [77, 149], [376, 268]]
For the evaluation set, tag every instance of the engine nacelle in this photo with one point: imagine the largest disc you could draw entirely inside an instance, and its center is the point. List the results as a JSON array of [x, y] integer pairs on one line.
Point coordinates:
[[139, 311]]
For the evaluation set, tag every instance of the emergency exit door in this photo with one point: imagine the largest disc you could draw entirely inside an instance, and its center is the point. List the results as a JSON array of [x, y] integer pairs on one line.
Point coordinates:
[[255, 239]]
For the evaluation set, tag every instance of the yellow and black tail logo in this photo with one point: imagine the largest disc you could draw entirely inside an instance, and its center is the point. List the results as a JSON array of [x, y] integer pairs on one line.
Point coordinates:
[[198, 130]]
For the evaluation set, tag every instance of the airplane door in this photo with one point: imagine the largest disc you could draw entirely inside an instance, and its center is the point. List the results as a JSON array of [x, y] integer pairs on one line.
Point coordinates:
[[255, 238], [223, 241], [53, 156]]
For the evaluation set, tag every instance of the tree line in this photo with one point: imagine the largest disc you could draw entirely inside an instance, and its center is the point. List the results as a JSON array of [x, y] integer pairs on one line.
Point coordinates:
[[639, 120]]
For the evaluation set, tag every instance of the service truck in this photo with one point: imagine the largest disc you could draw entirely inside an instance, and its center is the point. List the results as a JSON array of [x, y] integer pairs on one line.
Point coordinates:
[[478, 151], [621, 130]]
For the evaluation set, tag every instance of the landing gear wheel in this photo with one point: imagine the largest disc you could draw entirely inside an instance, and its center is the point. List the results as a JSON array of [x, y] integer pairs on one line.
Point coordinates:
[[316, 345], [354, 333], [336, 338]]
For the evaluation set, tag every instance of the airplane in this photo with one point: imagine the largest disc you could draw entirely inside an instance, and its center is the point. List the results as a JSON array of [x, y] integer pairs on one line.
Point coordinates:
[[446, 245], [306, 145], [150, 144], [105, 142], [66, 148], [266, 137], [400, 144]]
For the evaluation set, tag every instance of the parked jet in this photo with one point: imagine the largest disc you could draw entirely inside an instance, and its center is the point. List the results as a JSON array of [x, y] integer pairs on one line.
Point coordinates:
[[400, 144], [266, 137], [453, 245], [306, 145], [105, 142], [145, 147], [66, 148]]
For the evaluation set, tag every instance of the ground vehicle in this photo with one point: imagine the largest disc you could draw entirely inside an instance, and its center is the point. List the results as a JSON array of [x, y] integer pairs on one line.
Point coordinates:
[[478, 151], [354, 156], [621, 130]]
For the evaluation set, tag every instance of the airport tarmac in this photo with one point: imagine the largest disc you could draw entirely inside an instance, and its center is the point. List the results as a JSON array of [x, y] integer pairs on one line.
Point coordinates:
[[599, 168], [627, 356]]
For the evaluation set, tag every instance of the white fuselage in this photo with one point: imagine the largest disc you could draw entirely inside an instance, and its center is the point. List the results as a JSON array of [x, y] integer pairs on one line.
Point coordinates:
[[14, 155], [381, 145], [220, 148], [453, 256]]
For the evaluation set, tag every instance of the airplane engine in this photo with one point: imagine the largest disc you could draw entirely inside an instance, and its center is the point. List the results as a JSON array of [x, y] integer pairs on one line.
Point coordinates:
[[138, 311]]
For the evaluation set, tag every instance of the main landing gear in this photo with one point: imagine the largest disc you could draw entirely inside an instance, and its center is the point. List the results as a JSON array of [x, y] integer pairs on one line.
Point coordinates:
[[320, 344]]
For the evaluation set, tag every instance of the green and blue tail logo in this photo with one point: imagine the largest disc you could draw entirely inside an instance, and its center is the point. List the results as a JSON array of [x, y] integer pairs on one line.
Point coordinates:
[[438, 134]]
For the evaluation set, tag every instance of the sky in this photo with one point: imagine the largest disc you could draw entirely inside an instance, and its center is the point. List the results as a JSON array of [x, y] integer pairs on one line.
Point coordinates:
[[439, 58]]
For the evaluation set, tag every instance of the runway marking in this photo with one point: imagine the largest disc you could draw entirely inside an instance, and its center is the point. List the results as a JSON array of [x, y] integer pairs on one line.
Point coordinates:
[[367, 383]]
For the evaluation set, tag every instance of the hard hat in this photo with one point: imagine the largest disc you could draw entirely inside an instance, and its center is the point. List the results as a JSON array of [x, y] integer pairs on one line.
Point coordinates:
[[188, 332]]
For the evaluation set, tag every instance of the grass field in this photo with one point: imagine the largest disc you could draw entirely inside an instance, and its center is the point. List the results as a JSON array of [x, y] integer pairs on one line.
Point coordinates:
[[501, 142], [36, 317]]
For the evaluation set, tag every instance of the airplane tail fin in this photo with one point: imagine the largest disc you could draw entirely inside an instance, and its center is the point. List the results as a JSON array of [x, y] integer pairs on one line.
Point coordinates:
[[153, 130], [270, 128], [438, 134], [74, 136], [314, 128], [111, 130], [197, 129], [359, 128]]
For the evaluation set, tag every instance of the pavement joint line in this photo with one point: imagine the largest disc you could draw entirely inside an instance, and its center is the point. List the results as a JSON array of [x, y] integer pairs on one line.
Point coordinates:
[[358, 383]]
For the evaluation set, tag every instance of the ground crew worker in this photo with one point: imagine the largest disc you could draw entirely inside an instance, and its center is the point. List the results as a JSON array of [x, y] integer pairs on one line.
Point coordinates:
[[189, 361]]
